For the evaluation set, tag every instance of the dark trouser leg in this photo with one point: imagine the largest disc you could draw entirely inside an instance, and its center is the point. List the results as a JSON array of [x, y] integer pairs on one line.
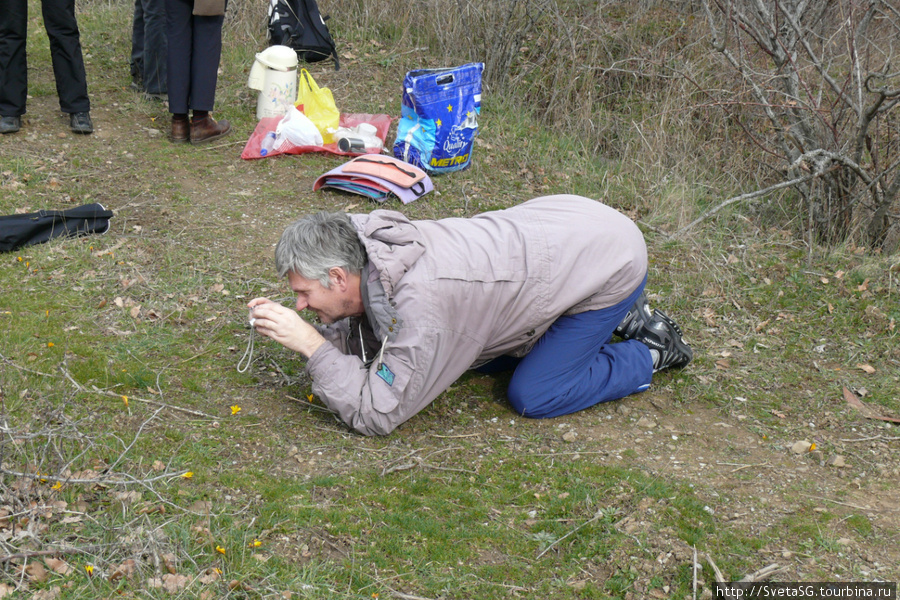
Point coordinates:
[[156, 52], [178, 32], [65, 51], [205, 61], [137, 43], [13, 64]]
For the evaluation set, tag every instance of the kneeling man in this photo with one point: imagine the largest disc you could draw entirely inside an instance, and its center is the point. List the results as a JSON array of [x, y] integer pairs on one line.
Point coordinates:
[[409, 306]]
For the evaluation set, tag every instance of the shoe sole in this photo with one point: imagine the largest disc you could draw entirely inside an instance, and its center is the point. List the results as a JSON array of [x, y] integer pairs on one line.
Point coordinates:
[[681, 346], [211, 138]]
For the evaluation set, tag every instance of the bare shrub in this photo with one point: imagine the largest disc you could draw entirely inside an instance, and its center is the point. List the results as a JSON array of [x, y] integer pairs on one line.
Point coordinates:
[[814, 91]]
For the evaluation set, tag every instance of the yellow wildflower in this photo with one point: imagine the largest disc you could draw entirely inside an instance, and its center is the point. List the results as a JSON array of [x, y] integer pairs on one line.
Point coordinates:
[[187, 474], [255, 544], [125, 400], [235, 409], [89, 569], [220, 549]]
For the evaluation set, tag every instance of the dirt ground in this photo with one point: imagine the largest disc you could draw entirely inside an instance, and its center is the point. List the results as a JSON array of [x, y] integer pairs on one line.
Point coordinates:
[[750, 483]]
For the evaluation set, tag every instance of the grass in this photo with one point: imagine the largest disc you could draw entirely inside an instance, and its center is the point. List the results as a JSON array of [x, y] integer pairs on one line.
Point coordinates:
[[118, 379]]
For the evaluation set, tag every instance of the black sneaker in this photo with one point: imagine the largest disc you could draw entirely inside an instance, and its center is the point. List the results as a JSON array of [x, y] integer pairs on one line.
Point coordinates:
[[80, 122], [10, 124], [637, 318], [666, 342]]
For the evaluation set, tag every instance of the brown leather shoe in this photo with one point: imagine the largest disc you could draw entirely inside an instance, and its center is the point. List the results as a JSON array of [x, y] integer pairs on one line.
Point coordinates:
[[207, 129], [181, 131]]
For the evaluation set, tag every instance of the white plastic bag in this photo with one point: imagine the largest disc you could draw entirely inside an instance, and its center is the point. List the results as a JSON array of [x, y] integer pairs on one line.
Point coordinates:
[[297, 129]]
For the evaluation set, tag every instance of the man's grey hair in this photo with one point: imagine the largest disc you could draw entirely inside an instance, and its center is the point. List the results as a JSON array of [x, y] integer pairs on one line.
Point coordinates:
[[314, 244]]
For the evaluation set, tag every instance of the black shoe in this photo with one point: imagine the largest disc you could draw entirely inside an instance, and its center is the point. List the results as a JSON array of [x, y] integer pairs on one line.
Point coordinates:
[[666, 342], [10, 124], [637, 318], [80, 122]]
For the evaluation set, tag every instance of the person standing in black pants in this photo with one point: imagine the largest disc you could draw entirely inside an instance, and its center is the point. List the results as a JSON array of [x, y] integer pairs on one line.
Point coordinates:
[[65, 51], [149, 48], [195, 47]]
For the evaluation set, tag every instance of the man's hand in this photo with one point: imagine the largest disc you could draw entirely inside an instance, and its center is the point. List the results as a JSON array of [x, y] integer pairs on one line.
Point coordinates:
[[285, 326]]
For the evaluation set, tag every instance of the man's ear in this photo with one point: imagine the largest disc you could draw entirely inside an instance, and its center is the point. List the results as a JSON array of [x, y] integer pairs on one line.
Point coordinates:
[[338, 277]]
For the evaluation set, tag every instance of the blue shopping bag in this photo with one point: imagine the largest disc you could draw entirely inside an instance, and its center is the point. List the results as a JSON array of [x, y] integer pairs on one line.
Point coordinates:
[[439, 118]]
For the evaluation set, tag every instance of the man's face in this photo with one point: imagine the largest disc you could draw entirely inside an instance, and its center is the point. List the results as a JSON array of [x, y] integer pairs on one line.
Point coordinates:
[[330, 304]]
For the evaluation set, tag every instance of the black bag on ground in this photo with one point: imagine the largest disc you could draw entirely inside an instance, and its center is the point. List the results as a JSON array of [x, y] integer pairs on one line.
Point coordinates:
[[28, 229], [300, 25]]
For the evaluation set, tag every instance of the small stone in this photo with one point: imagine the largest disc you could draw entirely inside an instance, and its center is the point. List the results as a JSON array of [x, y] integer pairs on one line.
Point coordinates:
[[578, 585], [836, 461], [801, 447], [570, 436], [646, 423]]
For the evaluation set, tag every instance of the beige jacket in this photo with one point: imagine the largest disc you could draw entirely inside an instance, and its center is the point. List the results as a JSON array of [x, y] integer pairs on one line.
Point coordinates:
[[444, 296]]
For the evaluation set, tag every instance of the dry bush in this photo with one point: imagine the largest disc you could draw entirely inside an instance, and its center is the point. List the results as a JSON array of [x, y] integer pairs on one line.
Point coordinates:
[[813, 91]]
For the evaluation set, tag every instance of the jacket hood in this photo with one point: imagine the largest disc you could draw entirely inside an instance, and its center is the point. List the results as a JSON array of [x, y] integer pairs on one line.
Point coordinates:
[[392, 243]]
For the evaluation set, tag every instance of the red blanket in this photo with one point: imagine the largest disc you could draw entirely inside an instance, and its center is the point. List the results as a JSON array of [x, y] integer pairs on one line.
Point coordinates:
[[381, 122]]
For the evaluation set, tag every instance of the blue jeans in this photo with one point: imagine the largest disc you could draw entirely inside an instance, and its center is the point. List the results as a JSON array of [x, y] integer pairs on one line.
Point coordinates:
[[574, 365]]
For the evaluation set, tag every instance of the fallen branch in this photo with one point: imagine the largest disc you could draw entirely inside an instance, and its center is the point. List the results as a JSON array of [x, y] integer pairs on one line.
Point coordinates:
[[310, 405], [600, 514], [695, 566], [840, 503], [759, 575], [34, 553], [741, 467], [403, 596], [21, 368], [112, 479], [763, 573], [750, 196], [405, 467], [718, 574], [156, 403], [870, 439]]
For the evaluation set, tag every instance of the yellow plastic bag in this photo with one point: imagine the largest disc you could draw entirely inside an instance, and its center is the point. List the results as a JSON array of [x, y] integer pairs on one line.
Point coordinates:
[[318, 105]]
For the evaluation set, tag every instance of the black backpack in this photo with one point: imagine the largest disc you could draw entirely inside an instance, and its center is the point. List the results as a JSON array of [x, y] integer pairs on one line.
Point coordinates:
[[300, 25]]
